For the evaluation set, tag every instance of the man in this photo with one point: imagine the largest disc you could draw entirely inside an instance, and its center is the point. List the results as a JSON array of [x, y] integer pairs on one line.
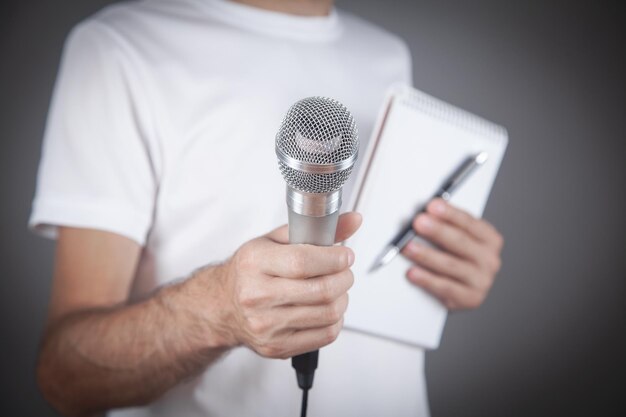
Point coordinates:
[[174, 293]]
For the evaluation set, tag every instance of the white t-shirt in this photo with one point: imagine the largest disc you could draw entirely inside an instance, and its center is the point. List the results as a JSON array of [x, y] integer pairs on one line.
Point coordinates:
[[162, 129]]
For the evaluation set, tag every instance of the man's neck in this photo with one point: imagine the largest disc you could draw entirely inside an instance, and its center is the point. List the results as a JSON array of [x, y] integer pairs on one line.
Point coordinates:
[[295, 7]]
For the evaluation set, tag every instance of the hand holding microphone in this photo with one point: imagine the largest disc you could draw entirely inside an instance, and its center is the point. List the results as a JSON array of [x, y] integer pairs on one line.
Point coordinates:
[[281, 300]]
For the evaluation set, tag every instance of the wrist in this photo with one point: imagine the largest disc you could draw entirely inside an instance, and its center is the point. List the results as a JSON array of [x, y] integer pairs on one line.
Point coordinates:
[[201, 310]]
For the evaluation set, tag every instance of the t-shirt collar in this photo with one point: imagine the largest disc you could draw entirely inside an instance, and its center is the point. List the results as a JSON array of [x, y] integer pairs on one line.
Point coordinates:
[[302, 28]]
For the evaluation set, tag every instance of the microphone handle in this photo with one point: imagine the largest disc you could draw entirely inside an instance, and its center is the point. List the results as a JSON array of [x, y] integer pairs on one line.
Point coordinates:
[[318, 231]]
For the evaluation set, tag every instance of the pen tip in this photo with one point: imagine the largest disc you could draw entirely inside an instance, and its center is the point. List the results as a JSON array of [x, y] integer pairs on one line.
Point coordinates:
[[481, 158], [384, 258]]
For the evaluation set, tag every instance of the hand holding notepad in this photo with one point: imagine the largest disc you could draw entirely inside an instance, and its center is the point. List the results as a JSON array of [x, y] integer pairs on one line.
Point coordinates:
[[418, 141], [407, 233]]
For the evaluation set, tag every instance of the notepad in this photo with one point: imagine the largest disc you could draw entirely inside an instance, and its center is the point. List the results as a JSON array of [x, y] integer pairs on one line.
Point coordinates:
[[417, 142]]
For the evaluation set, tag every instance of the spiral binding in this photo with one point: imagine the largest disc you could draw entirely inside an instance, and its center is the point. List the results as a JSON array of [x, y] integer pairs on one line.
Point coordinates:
[[439, 109]]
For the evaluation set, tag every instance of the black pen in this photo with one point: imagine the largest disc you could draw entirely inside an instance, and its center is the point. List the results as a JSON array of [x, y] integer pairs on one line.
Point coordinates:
[[405, 235]]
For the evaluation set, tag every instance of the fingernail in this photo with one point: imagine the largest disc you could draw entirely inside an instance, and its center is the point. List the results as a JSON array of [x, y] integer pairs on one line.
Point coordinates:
[[350, 258], [424, 222], [413, 247], [439, 206], [415, 273]]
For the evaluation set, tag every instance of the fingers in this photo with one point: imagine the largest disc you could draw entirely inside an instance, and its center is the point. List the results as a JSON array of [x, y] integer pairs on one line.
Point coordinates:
[[303, 261], [446, 236], [279, 235], [308, 340], [310, 317], [271, 341], [477, 228], [302, 341], [452, 294], [461, 269], [442, 263], [297, 261], [286, 331], [313, 291]]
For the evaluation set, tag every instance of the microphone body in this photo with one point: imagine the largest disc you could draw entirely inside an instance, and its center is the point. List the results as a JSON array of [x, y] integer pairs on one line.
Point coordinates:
[[313, 216], [306, 227], [317, 146]]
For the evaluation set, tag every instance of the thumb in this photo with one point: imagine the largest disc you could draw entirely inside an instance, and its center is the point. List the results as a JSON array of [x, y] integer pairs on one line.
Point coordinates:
[[280, 234], [347, 225]]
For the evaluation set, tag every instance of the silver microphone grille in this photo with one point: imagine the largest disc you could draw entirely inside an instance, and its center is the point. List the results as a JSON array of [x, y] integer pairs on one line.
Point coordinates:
[[317, 145]]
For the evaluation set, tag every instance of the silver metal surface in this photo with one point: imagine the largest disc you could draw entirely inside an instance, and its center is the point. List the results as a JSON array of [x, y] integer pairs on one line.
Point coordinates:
[[317, 145], [318, 231], [313, 204], [315, 168]]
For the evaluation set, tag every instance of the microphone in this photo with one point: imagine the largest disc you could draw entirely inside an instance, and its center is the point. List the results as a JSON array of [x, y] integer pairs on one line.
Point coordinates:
[[317, 145]]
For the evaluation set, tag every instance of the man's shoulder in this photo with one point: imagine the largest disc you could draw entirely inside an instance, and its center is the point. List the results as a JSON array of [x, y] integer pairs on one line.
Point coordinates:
[[138, 14], [136, 27]]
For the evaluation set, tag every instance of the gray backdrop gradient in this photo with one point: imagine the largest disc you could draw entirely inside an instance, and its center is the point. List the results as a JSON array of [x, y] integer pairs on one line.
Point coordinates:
[[550, 338]]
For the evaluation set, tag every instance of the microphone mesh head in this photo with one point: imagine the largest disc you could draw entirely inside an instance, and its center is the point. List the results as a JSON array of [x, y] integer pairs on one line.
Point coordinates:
[[321, 131]]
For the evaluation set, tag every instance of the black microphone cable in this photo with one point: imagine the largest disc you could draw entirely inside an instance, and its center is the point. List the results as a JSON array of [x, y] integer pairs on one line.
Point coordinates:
[[305, 366], [305, 396]]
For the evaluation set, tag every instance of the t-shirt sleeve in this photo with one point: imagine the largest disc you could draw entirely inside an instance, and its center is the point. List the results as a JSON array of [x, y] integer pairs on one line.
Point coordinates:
[[97, 168]]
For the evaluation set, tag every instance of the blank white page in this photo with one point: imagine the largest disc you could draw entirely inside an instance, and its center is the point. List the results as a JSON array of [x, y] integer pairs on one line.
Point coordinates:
[[418, 143]]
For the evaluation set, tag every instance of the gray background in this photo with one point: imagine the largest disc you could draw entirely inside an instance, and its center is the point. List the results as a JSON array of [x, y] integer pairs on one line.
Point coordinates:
[[550, 338]]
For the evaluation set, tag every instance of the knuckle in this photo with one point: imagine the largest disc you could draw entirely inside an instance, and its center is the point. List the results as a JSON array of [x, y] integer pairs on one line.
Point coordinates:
[[465, 239], [347, 279], [475, 300], [298, 263], [283, 354], [463, 218], [491, 264], [258, 325], [245, 255], [452, 264], [333, 312], [331, 334], [482, 284], [326, 291], [474, 228], [269, 347], [446, 293], [269, 351], [247, 298], [498, 240], [343, 305], [262, 350], [253, 296], [495, 264], [461, 240]]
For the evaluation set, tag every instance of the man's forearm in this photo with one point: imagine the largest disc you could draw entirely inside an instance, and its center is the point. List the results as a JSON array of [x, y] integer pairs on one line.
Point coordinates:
[[94, 360]]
